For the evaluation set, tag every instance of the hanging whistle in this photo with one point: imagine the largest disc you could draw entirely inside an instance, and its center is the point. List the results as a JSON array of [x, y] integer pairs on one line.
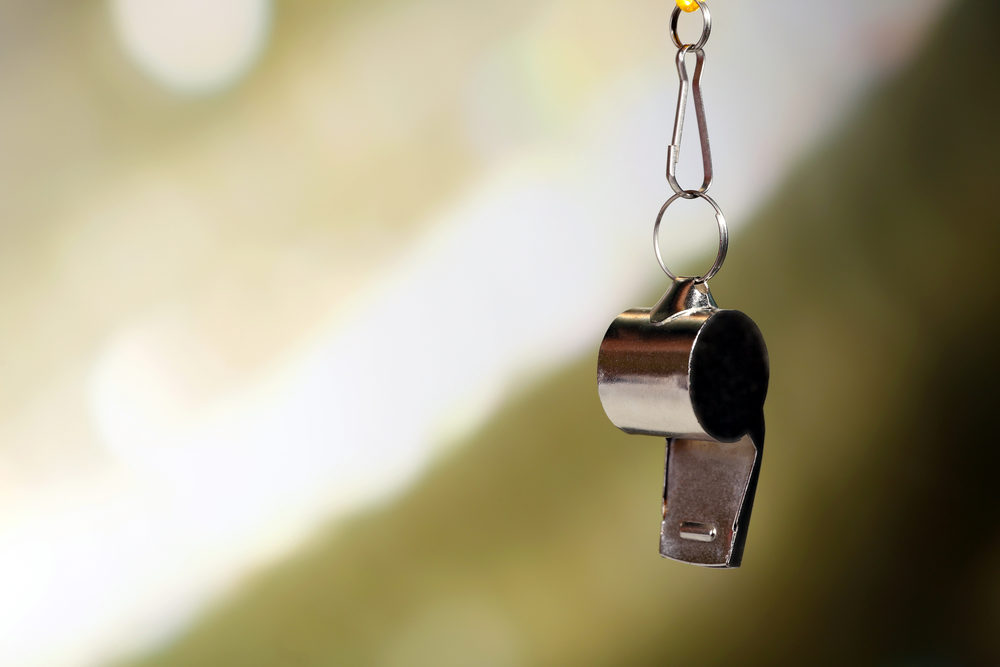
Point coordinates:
[[697, 375], [693, 373]]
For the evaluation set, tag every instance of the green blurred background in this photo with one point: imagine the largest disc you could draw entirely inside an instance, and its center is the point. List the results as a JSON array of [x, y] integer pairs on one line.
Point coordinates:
[[302, 303]]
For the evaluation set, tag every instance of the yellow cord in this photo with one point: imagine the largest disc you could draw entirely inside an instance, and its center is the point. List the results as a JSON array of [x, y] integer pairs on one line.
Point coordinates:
[[688, 5]]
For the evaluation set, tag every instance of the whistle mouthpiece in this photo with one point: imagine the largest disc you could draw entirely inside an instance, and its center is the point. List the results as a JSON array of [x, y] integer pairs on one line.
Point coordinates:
[[706, 501]]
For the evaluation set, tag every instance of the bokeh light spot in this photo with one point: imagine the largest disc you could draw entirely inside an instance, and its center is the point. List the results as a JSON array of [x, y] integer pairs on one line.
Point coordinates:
[[191, 46]]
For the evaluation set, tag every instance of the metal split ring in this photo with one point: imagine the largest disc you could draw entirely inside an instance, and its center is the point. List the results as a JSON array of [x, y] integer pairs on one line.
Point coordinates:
[[705, 31], [723, 236]]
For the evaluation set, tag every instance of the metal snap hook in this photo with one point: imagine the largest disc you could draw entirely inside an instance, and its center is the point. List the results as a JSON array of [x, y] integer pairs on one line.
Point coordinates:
[[674, 150], [720, 219]]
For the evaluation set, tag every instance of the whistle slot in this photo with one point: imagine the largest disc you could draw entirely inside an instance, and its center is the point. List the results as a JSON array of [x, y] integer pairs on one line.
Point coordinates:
[[698, 532]]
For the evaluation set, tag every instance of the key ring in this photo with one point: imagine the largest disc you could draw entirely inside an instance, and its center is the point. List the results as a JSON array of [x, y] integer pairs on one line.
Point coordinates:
[[720, 257], [705, 31]]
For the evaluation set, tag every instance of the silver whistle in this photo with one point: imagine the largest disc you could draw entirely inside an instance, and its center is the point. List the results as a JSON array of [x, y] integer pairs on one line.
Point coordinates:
[[696, 374]]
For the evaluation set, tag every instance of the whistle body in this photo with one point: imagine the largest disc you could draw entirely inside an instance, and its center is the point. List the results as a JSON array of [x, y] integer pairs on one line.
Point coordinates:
[[697, 375]]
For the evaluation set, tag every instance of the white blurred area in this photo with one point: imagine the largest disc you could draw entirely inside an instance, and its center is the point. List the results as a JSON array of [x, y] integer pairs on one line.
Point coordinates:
[[200, 55], [261, 265]]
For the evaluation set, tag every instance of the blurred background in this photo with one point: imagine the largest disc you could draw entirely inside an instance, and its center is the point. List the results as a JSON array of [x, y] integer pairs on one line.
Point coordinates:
[[302, 300]]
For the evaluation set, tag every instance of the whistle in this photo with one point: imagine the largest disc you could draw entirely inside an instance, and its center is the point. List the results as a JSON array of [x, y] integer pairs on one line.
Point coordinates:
[[697, 375]]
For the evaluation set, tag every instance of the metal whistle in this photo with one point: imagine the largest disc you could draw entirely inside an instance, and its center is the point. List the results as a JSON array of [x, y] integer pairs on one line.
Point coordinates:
[[696, 374]]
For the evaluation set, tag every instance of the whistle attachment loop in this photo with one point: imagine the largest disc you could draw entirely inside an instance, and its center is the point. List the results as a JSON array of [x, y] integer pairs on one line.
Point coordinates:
[[720, 219]]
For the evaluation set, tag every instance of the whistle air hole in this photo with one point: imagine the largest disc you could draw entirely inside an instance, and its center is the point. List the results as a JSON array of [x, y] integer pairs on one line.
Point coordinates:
[[729, 375]]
